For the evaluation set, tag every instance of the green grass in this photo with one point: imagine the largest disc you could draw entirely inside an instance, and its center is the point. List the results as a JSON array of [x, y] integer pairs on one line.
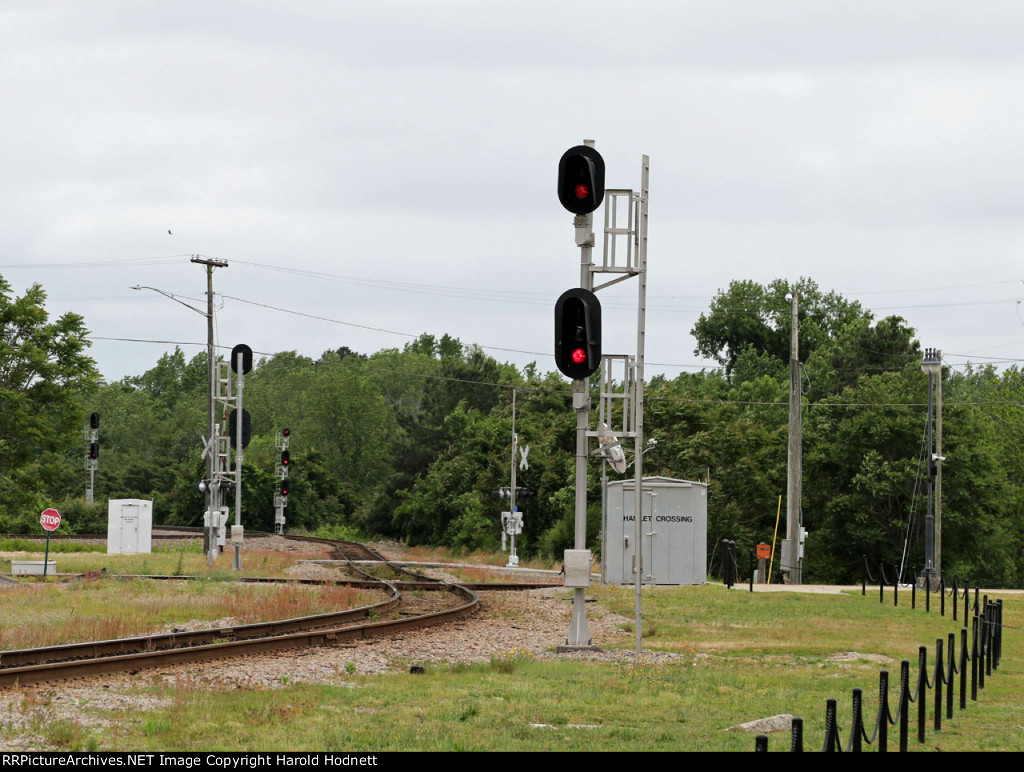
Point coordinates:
[[109, 608], [33, 546], [741, 657], [187, 560]]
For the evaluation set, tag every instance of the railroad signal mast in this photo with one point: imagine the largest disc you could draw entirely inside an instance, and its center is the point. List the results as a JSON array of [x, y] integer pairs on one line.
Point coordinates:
[[281, 442], [231, 432], [92, 454], [578, 349]]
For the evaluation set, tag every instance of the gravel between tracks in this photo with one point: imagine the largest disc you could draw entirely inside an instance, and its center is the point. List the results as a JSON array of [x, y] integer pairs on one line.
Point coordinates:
[[534, 621]]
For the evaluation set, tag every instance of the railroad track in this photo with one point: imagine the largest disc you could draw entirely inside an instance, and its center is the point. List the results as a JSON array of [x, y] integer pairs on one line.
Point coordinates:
[[53, 663]]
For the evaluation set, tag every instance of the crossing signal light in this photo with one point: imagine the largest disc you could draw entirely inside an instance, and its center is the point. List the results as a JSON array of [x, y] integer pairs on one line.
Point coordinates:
[[578, 333], [581, 179]]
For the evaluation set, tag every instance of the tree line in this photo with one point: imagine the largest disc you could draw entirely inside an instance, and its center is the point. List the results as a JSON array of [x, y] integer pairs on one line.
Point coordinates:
[[413, 443]]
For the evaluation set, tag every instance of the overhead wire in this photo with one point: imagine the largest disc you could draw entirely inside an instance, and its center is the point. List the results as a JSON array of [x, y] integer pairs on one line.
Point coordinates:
[[512, 296], [651, 398]]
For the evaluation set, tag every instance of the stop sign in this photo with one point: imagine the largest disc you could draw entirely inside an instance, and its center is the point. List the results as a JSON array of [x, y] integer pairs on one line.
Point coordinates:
[[50, 519]]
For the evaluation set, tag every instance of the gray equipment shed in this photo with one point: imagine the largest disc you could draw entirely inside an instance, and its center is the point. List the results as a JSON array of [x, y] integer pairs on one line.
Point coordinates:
[[674, 532]]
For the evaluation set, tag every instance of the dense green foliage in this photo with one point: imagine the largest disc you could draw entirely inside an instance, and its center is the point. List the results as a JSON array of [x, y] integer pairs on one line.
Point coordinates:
[[43, 371], [413, 443]]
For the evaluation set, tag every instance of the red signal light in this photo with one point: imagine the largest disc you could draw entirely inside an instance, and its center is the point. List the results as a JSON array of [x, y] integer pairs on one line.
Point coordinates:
[[581, 179], [578, 333]]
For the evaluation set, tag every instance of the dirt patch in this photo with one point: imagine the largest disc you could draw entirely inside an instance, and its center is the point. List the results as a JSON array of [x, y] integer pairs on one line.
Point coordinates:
[[855, 656]]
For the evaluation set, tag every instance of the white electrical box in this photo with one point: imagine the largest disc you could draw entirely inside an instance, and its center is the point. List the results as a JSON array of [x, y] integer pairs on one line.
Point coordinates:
[[129, 526]]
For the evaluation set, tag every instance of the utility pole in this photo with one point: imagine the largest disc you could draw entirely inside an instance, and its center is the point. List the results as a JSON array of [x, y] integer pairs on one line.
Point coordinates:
[[794, 473], [212, 494], [932, 367], [938, 467]]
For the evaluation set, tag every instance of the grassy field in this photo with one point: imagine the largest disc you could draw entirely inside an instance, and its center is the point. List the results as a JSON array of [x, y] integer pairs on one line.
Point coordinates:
[[740, 657], [184, 560], [104, 609]]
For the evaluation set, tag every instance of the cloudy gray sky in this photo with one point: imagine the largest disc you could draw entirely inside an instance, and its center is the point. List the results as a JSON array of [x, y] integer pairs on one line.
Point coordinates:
[[388, 168]]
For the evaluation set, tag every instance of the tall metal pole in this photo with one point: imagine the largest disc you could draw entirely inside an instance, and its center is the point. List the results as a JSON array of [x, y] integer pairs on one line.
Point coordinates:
[[638, 405], [579, 631], [791, 548]]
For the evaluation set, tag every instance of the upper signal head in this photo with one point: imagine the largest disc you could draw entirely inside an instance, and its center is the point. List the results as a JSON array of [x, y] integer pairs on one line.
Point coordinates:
[[581, 179]]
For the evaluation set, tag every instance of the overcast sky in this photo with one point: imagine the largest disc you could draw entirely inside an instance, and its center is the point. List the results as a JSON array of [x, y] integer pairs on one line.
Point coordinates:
[[388, 168]]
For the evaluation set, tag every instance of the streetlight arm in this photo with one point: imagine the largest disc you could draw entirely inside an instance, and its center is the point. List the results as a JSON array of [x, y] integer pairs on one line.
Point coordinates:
[[172, 297]]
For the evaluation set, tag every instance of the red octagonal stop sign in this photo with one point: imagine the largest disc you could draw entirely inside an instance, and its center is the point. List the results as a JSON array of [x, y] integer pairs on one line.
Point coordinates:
[[50, 519]]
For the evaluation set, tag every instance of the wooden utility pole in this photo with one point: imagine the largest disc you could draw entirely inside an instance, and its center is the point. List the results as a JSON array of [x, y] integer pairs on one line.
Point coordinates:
[[794, 471], [938, 467], [212, 495]]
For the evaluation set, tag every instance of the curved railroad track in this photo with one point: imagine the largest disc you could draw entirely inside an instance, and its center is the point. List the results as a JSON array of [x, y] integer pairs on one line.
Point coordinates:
[[52, 663]]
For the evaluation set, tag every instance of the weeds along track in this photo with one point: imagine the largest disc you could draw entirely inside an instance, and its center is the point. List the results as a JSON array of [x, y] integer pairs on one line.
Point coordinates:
[[434, 602]]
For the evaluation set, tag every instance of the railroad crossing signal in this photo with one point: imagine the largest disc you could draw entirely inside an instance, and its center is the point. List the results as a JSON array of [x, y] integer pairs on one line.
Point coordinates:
[[578, 333], [581, 179]]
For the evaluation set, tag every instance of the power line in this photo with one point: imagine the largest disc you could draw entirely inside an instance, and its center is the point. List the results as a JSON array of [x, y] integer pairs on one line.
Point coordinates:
[[414, 335], [364, 367], [156, 260]]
